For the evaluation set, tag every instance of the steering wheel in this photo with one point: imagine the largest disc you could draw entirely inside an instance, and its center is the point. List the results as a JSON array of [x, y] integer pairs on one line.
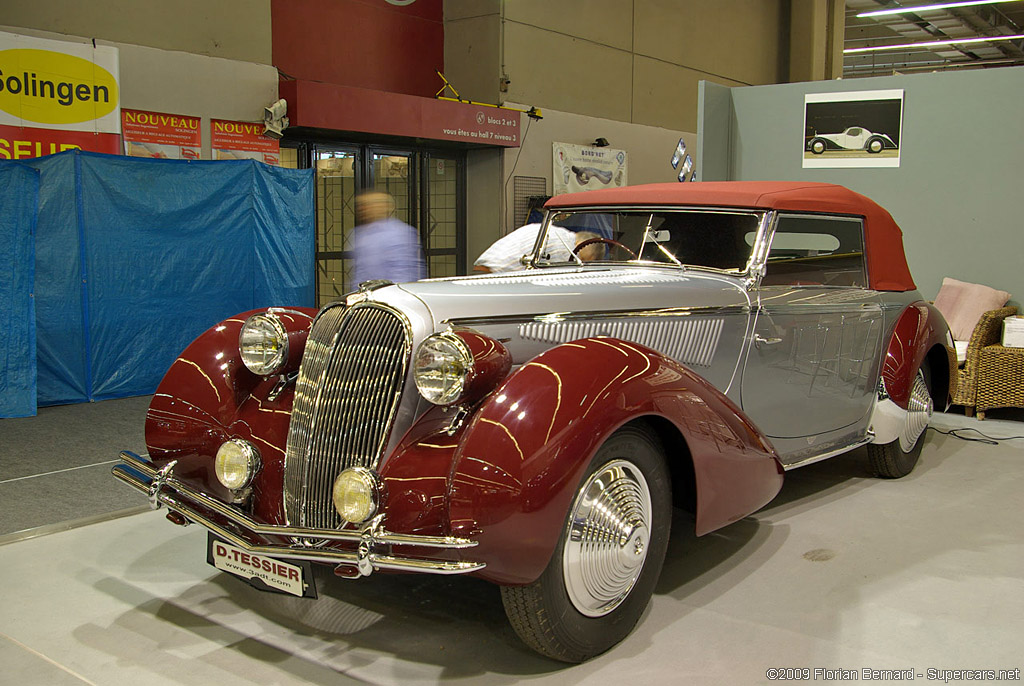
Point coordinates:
[[608, 241]]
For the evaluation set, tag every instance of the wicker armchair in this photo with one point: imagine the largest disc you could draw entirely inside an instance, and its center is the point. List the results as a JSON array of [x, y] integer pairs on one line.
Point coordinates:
[[987, 332], [1000, 378]]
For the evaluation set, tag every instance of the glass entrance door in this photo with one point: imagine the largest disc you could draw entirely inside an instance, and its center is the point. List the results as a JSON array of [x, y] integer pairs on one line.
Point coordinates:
[[394, 173], [427, 187], [337, 180], [443, 237]]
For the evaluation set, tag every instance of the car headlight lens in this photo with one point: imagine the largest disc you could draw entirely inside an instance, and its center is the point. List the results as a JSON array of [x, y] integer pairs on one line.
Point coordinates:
[[237, 463], [355, 494], [263, 343], [441, 368]]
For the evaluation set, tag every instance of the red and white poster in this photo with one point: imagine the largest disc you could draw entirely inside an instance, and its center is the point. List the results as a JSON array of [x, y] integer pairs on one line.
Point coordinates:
[[57, 95], [158, 134], [240, 140]]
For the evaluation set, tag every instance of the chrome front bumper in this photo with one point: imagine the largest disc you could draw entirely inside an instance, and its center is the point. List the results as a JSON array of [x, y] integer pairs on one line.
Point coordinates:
[[372, 542]]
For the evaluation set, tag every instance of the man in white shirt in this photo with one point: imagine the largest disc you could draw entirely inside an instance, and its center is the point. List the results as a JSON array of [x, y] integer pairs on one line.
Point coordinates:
[[504, 253]]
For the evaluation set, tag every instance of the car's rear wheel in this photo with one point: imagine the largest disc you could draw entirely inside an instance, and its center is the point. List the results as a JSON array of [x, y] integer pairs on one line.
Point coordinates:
[[897, 458], [875, 145], [608, 558]]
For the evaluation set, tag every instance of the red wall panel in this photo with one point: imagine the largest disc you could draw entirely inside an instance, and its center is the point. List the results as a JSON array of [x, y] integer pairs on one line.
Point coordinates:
[[363, 43]]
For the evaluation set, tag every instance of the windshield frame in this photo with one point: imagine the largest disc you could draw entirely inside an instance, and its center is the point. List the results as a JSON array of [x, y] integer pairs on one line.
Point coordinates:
[[757, 250]]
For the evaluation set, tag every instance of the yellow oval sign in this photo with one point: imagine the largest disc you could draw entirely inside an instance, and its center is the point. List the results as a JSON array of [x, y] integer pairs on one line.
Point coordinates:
[[48, 87]]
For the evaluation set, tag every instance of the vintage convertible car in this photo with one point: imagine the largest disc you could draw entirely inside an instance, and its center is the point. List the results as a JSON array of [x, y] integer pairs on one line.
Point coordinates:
[[853, 138], [536, 428]]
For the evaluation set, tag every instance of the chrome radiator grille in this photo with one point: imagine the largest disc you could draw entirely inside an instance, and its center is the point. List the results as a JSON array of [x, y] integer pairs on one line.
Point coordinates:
[[346, 397]]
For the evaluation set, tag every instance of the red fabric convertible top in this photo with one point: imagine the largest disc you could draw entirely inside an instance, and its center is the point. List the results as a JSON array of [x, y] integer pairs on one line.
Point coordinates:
[[887, 264]]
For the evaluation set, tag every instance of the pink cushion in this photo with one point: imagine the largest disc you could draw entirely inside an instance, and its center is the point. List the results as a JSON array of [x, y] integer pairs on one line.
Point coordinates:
[[962, 304]]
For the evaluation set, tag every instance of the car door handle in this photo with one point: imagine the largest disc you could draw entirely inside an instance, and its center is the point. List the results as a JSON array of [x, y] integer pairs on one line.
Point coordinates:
[[760, 340]]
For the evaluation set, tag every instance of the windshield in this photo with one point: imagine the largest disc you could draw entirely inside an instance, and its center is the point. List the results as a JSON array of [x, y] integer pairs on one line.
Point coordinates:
[[694, 238]]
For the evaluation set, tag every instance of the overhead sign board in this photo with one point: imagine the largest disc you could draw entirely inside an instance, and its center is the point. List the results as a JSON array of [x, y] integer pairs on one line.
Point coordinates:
[[344, 108], [52, 92]]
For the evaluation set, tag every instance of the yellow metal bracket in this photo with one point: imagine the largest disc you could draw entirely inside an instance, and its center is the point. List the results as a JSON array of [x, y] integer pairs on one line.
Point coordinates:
[[532, 113]]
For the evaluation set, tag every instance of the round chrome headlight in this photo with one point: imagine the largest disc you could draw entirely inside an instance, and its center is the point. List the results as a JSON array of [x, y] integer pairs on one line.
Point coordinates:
[[237, 463], [441, 368], [355, 494], [263, 343]]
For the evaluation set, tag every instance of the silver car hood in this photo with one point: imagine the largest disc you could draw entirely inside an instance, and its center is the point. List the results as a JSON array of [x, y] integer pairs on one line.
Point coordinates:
[[683, 313], [539, 292]]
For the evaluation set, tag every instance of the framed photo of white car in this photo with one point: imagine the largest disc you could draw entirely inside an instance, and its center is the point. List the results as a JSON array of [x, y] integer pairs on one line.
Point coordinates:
[[854, 129]]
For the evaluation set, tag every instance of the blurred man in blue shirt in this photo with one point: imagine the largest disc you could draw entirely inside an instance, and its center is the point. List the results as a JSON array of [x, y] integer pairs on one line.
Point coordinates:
[[384, 247]]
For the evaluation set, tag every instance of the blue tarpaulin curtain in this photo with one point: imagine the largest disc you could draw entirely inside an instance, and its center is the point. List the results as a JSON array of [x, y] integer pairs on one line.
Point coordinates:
[[136, 257], [19, 200]]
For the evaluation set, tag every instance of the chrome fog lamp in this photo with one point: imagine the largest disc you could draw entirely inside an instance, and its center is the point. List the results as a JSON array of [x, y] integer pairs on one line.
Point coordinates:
[[263, 343], [355, 494], [237, 463], [441, 367]]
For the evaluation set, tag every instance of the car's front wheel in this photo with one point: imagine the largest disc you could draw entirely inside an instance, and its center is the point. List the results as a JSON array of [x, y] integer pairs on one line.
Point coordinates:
[[818, 146], [608, 558], [898, 458]]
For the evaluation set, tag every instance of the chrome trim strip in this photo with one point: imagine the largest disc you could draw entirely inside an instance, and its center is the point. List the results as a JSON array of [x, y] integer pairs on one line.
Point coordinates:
[[819, 308], [140, 474], [286, 310], [596, 315], [826, 455]]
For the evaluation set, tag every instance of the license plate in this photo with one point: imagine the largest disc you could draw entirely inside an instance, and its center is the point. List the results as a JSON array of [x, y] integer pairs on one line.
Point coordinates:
[[265, 573]]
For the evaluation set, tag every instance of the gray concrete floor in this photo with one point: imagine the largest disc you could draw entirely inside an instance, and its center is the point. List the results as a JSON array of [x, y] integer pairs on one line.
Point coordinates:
[[841, 571], [55, 467]]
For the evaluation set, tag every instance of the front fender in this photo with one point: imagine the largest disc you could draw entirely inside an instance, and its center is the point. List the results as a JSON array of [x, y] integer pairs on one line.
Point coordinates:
[[208, 395], [523, 454]]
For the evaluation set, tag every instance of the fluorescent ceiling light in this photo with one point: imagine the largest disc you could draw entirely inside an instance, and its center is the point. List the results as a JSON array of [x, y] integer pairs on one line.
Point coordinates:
[[933, 43], [926, 8]]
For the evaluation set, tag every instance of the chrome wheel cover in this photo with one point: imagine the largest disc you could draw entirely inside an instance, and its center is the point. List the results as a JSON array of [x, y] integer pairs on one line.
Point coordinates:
[[608, 538], [919, 413]]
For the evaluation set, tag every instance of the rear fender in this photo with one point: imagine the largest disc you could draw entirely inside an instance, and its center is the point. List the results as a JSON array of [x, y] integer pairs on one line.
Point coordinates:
[[522, 455], [920, 332]]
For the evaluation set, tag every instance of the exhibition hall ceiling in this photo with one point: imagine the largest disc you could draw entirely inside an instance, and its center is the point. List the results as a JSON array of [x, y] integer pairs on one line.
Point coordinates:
[[976, 25]]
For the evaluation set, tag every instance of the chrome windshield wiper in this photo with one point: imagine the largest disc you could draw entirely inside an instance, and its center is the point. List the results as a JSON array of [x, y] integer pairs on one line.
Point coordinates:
[[651, 236], [669, 255], [561, 239]]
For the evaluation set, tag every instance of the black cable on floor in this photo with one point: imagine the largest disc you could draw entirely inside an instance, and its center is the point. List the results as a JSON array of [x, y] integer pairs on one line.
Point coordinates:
[[986, 439]]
